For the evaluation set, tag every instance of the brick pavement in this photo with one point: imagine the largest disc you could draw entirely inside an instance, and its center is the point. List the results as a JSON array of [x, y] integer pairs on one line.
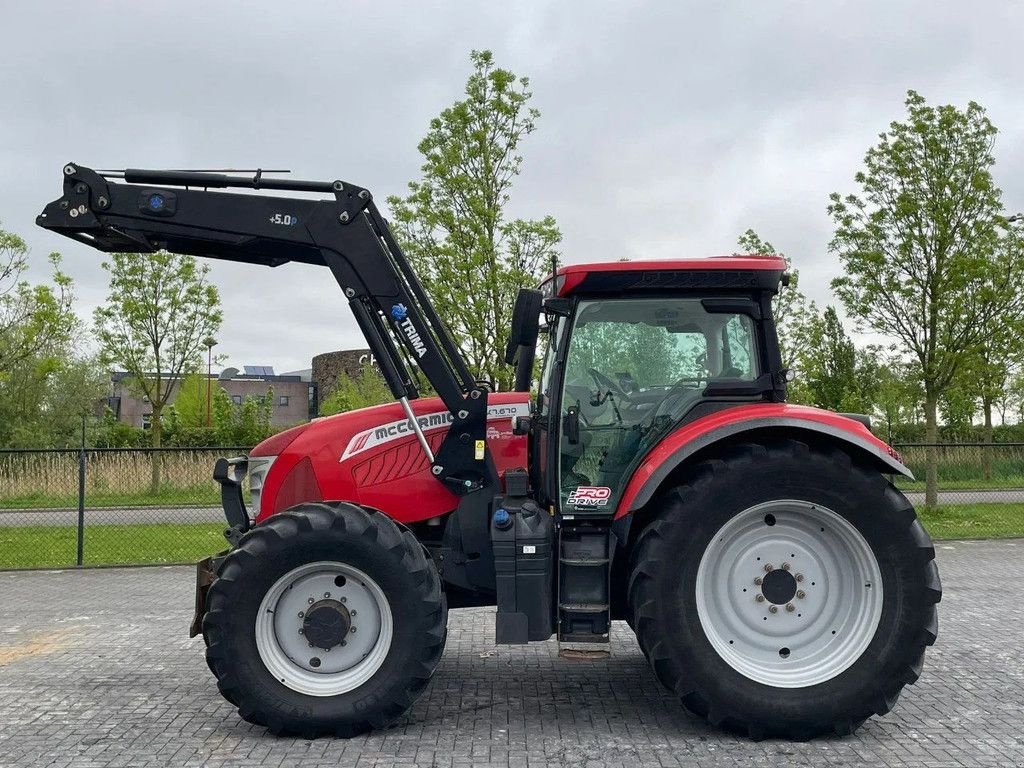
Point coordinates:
[[96, 671]]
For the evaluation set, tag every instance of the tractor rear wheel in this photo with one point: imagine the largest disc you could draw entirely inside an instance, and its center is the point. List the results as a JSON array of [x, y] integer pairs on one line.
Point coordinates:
[[326, 619], [783, 590]]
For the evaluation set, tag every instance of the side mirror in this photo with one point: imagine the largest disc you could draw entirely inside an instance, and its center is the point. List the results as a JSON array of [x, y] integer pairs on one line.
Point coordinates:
[[522, 341]]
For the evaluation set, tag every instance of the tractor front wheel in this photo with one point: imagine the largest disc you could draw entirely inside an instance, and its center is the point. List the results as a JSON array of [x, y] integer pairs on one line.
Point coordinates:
[[326, 619], [784, 590]]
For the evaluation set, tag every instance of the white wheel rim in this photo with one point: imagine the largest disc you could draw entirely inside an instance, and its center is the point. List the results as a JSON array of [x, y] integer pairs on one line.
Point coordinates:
[[828, 622], [286, 652]]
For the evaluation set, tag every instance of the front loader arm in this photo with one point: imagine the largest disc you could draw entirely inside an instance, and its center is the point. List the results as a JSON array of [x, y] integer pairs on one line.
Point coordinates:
[[177, 211]]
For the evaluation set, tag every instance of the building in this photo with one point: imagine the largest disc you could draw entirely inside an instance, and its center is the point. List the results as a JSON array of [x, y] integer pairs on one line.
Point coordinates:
[[330, 367], [294, 394]]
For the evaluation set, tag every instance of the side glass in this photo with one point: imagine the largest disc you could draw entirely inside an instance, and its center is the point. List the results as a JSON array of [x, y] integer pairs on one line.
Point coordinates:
[[633, 369]]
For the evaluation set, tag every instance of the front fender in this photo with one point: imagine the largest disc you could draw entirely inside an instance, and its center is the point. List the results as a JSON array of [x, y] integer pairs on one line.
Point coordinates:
[[703, 433]]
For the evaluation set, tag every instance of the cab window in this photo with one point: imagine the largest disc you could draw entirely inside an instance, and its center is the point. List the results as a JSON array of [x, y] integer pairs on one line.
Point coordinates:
[[633, 369]]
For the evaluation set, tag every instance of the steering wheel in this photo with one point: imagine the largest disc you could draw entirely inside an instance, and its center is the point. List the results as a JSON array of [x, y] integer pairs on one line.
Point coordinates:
[[607, 382], [672, 395]]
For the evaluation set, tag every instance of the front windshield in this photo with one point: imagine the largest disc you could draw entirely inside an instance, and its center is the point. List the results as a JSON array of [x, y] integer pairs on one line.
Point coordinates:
[[634, 368]]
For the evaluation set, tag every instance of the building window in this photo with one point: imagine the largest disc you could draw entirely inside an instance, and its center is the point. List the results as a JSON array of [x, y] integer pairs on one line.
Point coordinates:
[[282, 401], [236, 399]]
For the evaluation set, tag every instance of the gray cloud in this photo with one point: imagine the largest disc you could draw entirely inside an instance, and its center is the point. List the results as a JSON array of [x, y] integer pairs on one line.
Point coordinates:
[[667, 128]]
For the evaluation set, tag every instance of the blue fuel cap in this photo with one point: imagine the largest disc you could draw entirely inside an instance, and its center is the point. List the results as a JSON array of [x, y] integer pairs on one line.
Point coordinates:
[[502, 519]]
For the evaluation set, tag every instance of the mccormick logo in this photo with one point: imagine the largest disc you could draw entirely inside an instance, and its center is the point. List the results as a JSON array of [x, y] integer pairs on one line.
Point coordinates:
[[589, 496], [396, 430]]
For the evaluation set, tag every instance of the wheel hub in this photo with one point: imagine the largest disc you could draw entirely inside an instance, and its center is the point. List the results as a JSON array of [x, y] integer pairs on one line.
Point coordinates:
[[324, 628], [326, 624], [778, 587]]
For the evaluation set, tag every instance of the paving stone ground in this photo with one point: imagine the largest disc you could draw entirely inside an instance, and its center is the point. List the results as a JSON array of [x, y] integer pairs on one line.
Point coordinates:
[[97, 671]]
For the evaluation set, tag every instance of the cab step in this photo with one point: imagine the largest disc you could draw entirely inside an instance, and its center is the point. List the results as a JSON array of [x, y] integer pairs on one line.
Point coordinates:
[[584, 573]]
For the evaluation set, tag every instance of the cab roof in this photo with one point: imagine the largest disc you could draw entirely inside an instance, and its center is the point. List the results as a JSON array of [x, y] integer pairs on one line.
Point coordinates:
[[752, 272]]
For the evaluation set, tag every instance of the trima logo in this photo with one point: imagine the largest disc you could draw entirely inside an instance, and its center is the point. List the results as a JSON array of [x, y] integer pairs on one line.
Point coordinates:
[[589, 496], [414, 337]]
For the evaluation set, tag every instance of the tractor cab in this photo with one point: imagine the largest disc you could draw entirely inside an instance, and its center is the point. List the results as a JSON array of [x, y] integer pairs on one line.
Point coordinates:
[[634, 350]]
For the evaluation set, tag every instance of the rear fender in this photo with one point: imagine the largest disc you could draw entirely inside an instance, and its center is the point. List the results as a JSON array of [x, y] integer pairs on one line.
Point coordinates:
[[752, 423]]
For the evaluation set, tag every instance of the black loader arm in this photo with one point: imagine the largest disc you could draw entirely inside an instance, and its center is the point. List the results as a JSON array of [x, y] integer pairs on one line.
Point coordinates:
[[179, 211]]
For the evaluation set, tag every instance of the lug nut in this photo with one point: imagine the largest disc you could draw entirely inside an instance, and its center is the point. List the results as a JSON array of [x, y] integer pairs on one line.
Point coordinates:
[[799, 577], [344, 599], [773, 609], [301, 614], [758, 580], [759, 598], [352, 613], [801, 594], [768, 568], [344, 642], [790, 607], [353, 630], [301, 632], [310, 601], [785, 566], [326, 595]]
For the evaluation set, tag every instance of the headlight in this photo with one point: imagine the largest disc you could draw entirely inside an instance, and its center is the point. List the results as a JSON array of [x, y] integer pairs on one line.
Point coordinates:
[[258, 468]]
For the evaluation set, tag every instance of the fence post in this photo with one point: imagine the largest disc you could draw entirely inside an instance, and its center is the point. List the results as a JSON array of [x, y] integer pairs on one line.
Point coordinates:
[[81, 496]]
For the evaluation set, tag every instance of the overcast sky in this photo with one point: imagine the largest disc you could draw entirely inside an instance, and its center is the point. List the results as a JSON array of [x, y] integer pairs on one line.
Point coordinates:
[[667, 128]]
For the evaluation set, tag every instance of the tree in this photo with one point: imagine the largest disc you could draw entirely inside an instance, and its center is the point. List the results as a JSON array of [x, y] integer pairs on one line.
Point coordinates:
[[958, 403], [43, 400], [897, 395], [453, 225], [34, 319], [917, 245], [160, 308], [190, 401], [1002, 344], [362, 391], [831, 362], [1015, 398], [793, 313]]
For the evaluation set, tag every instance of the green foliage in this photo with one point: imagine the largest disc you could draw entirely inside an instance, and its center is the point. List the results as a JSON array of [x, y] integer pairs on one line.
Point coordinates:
[[43, 401], [247, 423], [45, 385], [453, 226], [111, 432], [838, 376], [158, 313], [369, 388], [897, 397], [190, 401], [160, 309], [35, 320], [649, 354], [793, 311], [918, 244]]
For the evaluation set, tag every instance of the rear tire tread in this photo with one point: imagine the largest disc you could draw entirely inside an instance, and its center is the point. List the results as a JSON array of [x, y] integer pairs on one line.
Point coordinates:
[[647, 559]]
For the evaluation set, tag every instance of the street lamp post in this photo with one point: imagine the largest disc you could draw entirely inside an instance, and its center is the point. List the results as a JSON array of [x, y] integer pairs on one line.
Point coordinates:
[[209, 342]]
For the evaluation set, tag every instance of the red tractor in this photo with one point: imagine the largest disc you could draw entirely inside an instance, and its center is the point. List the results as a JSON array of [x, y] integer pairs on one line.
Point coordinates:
[[777, 581]]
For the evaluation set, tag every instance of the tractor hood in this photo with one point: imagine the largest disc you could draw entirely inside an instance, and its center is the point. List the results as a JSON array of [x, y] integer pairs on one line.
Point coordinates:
[[371, 456]]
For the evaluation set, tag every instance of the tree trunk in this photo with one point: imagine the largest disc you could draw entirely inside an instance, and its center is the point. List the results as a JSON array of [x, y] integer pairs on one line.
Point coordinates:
[[986, 451], [931, 436], [156, 434]]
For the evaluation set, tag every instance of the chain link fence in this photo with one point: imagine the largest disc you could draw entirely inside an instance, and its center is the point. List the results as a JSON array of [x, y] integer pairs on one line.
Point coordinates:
[[980, 488], [65, 508], [109, 506]]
